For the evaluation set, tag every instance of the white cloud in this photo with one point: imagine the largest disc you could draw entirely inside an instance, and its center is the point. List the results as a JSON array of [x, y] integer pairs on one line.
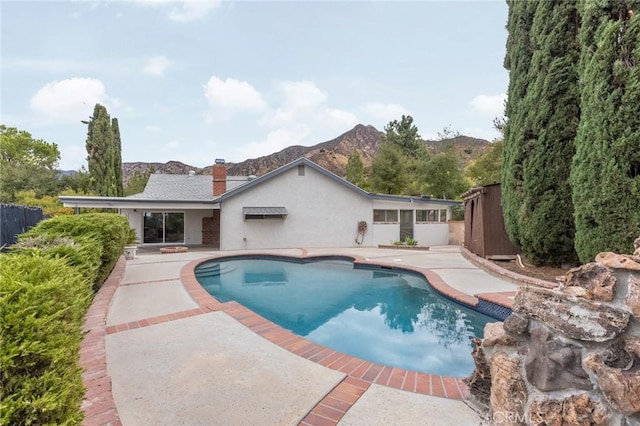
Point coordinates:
[[304, 102], [303, 113], [337, 118], [193, 10], [233, 95], [70, 100], [490, 105], [278, 117], [275, 141], [156, 65], [185, 10], [386, 112], [302, 94]]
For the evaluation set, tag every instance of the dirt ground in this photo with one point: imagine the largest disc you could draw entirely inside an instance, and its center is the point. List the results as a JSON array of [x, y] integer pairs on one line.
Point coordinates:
[[540, 272]]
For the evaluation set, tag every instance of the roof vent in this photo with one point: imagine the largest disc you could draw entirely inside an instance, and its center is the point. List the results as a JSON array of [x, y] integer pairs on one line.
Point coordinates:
[[192, 173], [251, 177]]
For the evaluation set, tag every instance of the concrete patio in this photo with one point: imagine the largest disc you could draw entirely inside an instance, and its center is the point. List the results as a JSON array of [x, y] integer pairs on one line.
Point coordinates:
[[172, 355]]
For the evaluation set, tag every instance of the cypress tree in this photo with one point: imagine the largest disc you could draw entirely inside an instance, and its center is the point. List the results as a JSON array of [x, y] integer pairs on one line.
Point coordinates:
[[117, 157], [516, 136], [605, 174], [551, 115], [99, 146]]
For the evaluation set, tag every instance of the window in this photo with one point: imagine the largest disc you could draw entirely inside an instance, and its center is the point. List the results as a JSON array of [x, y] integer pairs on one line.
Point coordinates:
[[431, 215], [385, 215], [301, 170], [163, 227]]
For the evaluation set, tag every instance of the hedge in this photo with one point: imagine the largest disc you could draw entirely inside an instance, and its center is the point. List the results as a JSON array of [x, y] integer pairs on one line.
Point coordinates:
[[110, 230], [84, 253], [42, 304], [46, 283]]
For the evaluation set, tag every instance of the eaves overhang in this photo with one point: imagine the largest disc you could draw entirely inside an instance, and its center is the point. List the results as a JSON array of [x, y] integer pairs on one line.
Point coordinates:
[[134, 203]]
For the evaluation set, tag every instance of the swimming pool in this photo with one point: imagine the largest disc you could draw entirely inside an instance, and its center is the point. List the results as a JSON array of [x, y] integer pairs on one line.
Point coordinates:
[[385, 316]]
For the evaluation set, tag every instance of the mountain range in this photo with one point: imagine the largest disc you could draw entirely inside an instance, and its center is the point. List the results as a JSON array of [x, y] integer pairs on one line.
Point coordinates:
[[332, 155]]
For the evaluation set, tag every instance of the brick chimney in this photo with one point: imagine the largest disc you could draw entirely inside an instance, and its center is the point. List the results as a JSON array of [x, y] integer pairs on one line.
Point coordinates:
[[219, 177]]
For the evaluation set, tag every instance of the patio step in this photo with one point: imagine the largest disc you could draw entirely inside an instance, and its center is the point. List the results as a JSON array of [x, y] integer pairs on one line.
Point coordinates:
[[214, 270]]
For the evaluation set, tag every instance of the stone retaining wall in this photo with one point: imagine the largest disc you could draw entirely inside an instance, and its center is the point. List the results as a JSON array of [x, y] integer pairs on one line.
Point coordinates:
[[567, 356]]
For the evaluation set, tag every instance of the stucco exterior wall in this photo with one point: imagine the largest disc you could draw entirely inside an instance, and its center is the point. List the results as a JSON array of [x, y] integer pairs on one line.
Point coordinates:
[[193, 225], [321, 213], [431, 234], [427, 234], [135, 221]]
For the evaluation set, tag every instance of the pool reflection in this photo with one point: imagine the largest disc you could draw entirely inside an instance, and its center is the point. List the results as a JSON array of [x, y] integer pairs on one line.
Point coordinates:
[[384, 317]]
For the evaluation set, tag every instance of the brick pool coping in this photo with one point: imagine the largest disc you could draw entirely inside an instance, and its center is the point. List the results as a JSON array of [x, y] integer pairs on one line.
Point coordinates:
[[505, 274], [99, 407]]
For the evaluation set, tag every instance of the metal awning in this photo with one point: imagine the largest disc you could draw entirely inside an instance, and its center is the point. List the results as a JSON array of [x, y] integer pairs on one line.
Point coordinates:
[[264, 212]]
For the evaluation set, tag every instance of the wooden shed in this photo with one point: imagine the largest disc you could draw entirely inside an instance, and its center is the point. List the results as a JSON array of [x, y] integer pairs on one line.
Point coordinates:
[[484, 231]]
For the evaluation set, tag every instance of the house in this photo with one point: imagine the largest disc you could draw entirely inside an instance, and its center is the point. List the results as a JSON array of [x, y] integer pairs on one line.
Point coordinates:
[[297, 205], [484, 230]]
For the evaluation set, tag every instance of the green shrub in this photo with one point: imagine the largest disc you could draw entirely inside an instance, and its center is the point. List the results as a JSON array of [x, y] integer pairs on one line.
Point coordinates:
[[84, 253], [410, 241], [42, 304], [110, 230]]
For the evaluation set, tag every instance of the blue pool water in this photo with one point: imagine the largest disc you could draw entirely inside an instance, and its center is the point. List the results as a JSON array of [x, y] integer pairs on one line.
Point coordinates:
[[380, 315]]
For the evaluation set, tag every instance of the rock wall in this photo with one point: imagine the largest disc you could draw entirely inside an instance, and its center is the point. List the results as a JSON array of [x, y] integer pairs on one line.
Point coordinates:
[[567, 356]]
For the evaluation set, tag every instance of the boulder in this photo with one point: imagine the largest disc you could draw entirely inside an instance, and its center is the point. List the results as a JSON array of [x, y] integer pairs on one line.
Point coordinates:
[[553, 365], [494, 334], [597, 279], [578, 410], [577, 318], [633, 297], [515, 324], [508, 389], [618, 261], [479, 382], [619, 386]]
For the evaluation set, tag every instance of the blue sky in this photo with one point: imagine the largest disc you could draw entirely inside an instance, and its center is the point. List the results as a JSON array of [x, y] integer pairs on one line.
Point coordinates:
[[197, 80]]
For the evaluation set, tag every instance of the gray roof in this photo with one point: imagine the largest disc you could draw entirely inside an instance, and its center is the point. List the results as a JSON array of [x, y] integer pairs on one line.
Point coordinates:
[[336, 178], [199, 188], [184, 187]]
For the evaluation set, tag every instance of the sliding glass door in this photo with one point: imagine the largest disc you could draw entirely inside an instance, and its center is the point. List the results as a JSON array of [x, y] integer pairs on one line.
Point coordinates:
[[163, 227]]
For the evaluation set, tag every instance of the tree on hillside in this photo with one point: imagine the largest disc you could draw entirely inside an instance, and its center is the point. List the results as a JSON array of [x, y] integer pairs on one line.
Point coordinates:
[[117, 157], [355, 169], [486, 169], [137, 182], [79, 182], [516, 135], [404, 135], [388, 170], [103, 154], [605, 174], [26, 164], [550, 112], [443, 177]]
